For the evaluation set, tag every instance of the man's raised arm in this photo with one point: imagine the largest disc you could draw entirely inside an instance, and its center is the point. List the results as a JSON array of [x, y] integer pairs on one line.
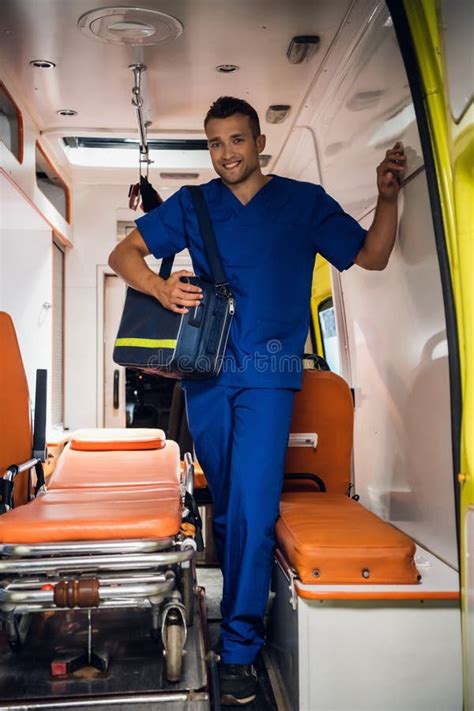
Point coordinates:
[[380, 238]]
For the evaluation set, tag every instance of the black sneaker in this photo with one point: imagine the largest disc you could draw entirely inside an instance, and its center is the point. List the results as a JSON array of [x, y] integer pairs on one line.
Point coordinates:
[[238, 684]]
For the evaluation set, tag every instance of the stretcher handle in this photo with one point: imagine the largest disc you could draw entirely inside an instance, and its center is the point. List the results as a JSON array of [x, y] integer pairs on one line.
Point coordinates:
[[116, 389], [7, 482], [39, 429]]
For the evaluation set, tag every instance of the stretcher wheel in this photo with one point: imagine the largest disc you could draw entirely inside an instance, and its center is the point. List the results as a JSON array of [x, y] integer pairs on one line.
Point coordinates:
[[174, 651], [188, 591]]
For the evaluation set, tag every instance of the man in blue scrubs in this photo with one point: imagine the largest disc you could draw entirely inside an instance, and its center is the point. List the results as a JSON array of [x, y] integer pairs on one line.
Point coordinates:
[[268, 230]]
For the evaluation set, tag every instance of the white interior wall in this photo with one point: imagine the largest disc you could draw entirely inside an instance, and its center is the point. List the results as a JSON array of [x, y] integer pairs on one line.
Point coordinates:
[[399, 360], [26, 280]]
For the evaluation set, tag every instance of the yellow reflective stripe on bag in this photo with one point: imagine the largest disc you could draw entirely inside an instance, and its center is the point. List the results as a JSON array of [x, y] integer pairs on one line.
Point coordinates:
[[146, 342]]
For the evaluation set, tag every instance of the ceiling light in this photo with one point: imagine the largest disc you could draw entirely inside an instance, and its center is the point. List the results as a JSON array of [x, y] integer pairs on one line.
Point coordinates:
[[131, 30], [154, 144], [67, 112], [227, 68], [302, 48], [130, 25], [179, 176], [42, 64], [277, 113]]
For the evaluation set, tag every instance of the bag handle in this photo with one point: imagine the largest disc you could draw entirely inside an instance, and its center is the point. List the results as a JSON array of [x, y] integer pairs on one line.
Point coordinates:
[[208, 237]]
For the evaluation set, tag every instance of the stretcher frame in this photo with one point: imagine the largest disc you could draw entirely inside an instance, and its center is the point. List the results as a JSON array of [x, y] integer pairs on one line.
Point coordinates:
[[151, 573]]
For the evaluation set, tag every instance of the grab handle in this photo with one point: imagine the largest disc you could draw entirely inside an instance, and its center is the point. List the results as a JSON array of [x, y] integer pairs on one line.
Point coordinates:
[[116, 389]]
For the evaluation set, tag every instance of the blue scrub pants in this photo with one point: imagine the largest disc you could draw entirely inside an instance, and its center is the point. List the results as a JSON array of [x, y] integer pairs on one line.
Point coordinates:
[[240, 436]]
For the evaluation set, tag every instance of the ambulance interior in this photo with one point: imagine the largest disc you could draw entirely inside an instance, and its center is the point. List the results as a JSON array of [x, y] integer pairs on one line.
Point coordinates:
[[330, 104]]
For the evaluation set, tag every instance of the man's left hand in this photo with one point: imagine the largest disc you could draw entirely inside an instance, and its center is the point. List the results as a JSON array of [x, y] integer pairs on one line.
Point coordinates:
[[390, 172]]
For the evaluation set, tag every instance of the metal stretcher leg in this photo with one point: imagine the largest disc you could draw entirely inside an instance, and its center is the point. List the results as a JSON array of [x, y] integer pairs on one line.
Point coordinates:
[[241, 437]]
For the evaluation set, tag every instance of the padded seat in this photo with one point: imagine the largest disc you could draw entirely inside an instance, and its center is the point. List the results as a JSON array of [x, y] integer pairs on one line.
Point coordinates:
[[78, 469], [332, 539], [102, 514]]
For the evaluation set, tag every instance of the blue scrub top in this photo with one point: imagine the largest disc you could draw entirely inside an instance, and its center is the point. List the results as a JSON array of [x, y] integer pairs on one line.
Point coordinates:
[[268, 249]]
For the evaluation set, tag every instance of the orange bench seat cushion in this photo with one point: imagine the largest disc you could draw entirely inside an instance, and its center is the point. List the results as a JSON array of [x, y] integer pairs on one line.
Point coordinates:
[[94, 469], [332, 539], [84, 515]]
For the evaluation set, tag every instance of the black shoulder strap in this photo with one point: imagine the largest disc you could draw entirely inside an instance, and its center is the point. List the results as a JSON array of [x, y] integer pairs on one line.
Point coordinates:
[[166, 267], [208, 236]]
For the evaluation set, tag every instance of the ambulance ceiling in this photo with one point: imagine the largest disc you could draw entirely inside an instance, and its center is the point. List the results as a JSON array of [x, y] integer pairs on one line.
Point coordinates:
[[93, 77]]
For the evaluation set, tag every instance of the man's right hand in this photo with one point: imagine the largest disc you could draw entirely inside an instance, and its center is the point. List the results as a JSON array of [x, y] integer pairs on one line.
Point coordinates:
[[175, 294], [128, 261]]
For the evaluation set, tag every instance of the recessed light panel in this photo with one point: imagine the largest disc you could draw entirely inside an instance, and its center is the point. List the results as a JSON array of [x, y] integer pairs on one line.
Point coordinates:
[[227, 68], [130, 25], [42, 64]]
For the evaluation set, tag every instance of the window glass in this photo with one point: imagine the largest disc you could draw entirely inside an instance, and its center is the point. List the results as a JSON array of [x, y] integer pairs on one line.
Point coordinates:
[[11, 129], [327, 324], [51, 184]]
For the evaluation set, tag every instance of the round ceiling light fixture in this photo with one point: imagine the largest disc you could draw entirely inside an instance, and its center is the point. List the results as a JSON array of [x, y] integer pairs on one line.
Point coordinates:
[[130, 25], [227, 68], [42, 64], [66, 112]]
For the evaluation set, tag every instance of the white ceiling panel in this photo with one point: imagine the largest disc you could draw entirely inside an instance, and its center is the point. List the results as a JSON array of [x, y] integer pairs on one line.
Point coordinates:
[[181, 81]]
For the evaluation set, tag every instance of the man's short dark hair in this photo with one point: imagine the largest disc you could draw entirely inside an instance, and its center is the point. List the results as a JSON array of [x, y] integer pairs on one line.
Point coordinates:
[[226, 106]]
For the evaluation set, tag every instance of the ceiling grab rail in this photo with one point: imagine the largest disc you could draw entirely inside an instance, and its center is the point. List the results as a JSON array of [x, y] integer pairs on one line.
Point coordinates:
[[137, 102], [144, 189]]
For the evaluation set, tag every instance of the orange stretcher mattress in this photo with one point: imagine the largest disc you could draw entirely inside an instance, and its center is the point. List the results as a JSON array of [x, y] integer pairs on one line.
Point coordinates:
[[85, 515], [78, 469], [332, 539]]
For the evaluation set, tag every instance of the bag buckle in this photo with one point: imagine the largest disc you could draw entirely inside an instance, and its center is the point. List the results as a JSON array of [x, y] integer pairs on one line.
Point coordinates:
[[223, 289]]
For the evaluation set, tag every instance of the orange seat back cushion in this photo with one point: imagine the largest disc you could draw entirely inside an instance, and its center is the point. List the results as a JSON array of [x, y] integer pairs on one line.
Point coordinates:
[[324, 406], [15, 422]]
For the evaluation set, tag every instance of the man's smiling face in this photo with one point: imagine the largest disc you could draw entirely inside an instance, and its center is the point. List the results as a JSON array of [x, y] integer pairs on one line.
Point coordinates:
[[233, 147]]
